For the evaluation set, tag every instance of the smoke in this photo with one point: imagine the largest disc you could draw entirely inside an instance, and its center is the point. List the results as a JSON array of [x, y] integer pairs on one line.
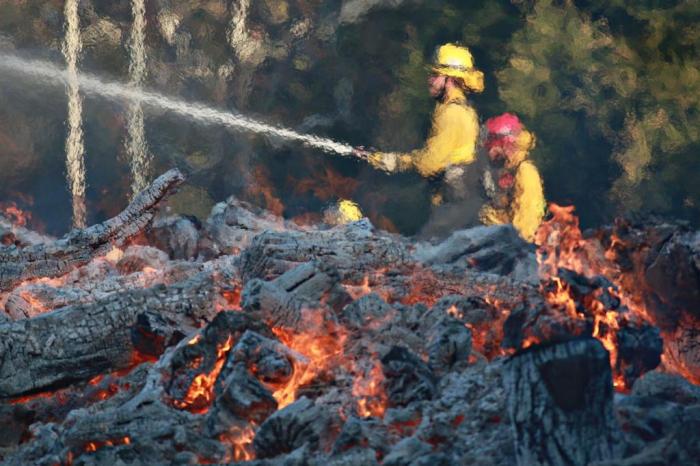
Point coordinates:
[[136, 146], [48, 74], [75, 150]]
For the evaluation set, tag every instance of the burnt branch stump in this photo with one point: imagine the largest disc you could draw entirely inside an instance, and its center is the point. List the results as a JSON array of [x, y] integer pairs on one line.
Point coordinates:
[[560, 401]]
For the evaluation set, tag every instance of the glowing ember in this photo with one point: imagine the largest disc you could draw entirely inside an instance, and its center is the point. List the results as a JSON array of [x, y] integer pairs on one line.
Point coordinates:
[[200, 394], [323, 347], [241, 441], [368, 389], [94, 446]]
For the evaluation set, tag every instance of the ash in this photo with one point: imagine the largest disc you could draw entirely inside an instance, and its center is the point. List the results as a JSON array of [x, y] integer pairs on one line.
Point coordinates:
[[157, 339]]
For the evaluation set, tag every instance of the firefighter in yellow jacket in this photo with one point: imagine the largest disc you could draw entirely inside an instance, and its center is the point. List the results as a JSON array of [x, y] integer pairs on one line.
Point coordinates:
[[455, 129], [451, 157], [511, 182]]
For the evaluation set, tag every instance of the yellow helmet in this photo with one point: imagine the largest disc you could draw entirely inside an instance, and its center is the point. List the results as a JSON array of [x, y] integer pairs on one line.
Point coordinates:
[[343, 212], [457, 62]]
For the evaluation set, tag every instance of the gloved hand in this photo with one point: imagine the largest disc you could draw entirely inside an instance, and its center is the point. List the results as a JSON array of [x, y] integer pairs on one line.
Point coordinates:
[[361, 153], [386, 161]]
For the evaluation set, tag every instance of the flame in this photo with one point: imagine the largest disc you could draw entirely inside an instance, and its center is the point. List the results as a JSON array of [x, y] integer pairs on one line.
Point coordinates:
[[322, 346], [560, 298], [241, 441], [15, 215], [327, 184], [115, 255], [263, 188], [201, 390], [368, 389], [195, 339], [94, 446], [562, 245]]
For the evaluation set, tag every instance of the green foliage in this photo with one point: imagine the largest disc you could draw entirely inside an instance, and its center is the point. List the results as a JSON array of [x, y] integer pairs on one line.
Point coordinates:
[[629, 72]]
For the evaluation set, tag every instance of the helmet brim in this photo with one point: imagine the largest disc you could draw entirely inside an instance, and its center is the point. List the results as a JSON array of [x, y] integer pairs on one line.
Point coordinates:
[[472, 78]]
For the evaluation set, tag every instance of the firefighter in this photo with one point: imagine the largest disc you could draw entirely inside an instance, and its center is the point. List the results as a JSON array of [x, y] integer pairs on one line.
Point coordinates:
[[448, 157], [455, 129], [511, 182]]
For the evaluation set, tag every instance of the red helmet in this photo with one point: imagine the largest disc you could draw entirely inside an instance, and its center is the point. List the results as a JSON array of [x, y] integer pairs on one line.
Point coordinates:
[[504, 125]]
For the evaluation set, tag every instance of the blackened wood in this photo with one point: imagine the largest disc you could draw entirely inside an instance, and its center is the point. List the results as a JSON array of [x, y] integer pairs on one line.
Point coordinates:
[[81, 341], [352, 249], [408, 379], [301, 423], [560, 401], [245, 397], [283, 301], [79, 246]]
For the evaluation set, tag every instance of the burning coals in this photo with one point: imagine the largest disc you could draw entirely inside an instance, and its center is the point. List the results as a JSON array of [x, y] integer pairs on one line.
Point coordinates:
[[250, 338]]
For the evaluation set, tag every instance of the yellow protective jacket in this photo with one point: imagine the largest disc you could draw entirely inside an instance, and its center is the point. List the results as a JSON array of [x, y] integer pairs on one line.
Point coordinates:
[[527, 204], [452, 141]]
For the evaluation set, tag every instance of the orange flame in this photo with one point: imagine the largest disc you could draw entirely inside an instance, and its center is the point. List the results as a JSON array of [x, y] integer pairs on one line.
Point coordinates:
[[241, 441], [14, 214], [562, 245], [322, 346], [368, 389], [263, 188], [200, 394]]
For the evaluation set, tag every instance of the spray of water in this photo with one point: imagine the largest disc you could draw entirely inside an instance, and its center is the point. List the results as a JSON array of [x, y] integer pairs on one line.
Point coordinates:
[[48, 74], [136, 146], [75, 152]]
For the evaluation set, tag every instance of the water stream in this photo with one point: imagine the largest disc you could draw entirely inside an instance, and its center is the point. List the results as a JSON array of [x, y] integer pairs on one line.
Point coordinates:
[[136, 146], [75, 149], [46, 73]]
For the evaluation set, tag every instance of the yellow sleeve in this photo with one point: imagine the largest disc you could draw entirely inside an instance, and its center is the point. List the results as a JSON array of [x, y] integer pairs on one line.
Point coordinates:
[[528, 201], [452, 140]]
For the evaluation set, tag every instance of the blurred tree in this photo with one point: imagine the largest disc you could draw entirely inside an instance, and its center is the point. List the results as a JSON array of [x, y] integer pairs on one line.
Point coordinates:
[[613, 91]]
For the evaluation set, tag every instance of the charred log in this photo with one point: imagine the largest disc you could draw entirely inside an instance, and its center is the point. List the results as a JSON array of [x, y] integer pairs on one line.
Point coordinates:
[[302, 423], [80, 246], [244, 397], [268, 359], [494, 249], [639, 351], [449, 345], [140, 267], [18, 415], [560, 403], [408, 378], [204, 357], [287, 300], [81, 341], [362, 433], [351, 249]]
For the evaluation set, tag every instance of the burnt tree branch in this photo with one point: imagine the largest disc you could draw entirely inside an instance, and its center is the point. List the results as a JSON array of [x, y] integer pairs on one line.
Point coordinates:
[[80, 246]]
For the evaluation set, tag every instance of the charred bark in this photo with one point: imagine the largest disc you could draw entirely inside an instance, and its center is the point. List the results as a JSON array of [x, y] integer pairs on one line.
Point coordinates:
[[292, 297], [80, 246], [352, 249], [81, 341], [560, 401]]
